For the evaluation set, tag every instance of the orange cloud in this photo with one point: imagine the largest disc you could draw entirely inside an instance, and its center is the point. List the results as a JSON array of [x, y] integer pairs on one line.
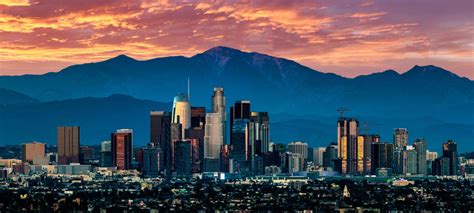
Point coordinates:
[[15, 2], [342, 37]]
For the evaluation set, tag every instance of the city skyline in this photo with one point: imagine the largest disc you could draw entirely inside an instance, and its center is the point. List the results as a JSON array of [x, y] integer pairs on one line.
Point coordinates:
[[322, 35], [346, 126], [198, 106], [178, 151]]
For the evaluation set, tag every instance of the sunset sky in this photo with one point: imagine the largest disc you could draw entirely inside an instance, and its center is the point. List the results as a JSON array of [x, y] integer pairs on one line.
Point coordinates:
[[349, 38]]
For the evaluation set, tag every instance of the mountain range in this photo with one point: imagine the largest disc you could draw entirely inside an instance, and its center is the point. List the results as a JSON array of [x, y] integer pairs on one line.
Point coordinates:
[[432, 102]]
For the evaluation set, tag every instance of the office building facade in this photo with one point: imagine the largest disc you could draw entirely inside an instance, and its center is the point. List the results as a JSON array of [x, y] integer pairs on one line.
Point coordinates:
[[121, 144], [32, 152], [213, 141], [68, 144]]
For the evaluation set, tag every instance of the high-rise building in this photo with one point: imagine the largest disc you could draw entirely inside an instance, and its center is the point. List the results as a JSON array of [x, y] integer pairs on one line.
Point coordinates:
[[176, 135], [368, 141], [450, 151], [360, 154], [182, 112], [240, 145], [156, 123], [299, 148], [106, 154], [198, 116], [382, 156], [400, 138], [420, 147], [310, 154], [318, 156], [258, 137], [409, 160], [160, 128], [138, 154], [347, 136], [122, 149], [196, 135], [182, 153], [441, 166], [68, 144], [160, 136], [86, 154], [294, 162], [261, 130], [33, 152], [152, 161], [240, 111], [330, 156], [218, 106], [430, 158], [213, 141], [196, 156], [398, 161], [225, 155]]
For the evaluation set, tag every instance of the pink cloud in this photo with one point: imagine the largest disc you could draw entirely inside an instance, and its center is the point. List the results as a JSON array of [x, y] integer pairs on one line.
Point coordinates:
[[345, 37]]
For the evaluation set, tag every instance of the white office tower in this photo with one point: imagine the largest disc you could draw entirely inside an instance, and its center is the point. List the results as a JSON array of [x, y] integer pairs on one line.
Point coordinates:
[[213, 141], [318, 153], [182, 112], [299, 148], [218, 106]]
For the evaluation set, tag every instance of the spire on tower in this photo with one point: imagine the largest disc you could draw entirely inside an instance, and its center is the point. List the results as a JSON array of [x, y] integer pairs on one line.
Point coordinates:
[[189, 94]]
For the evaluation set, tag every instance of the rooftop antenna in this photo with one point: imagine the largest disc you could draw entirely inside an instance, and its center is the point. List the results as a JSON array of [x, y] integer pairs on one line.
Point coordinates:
[[341, 111], [366, 125]]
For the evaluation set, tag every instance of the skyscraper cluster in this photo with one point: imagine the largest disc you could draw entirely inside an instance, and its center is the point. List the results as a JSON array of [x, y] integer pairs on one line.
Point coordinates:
[[359, 154], [190, 140]]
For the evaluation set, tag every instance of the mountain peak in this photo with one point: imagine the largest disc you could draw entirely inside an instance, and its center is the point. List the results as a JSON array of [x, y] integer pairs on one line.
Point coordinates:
[[428, 70], [222, 50], [121, 58]]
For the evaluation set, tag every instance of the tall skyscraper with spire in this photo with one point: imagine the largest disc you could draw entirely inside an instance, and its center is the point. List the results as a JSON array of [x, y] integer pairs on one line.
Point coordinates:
[[182, 112]]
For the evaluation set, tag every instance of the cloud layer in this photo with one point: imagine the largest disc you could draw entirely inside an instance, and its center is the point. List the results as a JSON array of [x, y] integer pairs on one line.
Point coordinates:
[[345, 37]]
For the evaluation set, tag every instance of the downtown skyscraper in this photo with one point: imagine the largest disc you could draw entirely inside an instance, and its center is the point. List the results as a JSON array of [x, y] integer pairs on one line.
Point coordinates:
[[400, 138], [68, 144], [160, 136], [213, 141], [420, 147], [239, 140], [347, 137], [181, 112], [32, 152], [382, 156], [448, 163], [122, 149], [219, 106]]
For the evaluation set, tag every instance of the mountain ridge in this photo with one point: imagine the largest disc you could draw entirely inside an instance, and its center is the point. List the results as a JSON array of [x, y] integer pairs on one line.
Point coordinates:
[[272, 84], [233, 51]]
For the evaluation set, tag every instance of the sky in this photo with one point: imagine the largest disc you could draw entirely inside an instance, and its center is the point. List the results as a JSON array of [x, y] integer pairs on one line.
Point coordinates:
[[348, 38]]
